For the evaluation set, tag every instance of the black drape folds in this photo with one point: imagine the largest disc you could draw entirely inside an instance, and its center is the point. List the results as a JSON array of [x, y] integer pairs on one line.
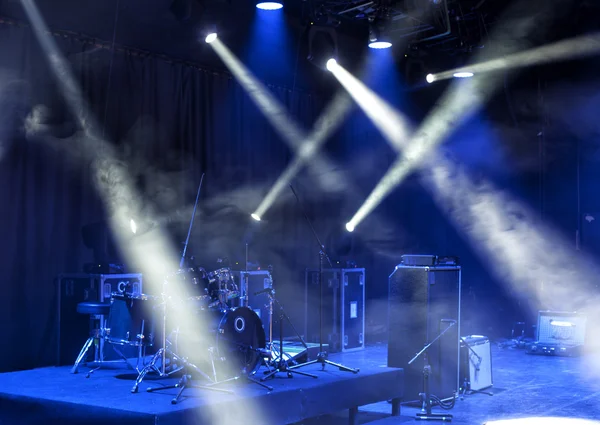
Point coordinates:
[[168, 123]]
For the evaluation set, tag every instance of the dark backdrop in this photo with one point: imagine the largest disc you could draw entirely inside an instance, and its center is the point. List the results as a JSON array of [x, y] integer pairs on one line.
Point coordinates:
[[171, 121]]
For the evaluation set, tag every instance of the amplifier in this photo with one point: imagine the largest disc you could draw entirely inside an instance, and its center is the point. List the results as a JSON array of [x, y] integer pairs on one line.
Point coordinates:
[[419, 260], [423, 303], [73, 327], [343, 308], [475, 363]]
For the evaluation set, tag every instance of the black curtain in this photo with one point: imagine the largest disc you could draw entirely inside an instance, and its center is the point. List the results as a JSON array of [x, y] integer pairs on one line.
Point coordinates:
[[168, 122]]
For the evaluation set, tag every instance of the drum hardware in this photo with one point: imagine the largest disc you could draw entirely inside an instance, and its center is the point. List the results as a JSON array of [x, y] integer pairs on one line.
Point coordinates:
[[280, 363], [239, 346], [125, 326], [245, 299], [165, 352], [322, 355]]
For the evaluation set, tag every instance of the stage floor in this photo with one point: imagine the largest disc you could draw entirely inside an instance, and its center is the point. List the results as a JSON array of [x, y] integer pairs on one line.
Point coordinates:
[[53, 395], [525, 386]]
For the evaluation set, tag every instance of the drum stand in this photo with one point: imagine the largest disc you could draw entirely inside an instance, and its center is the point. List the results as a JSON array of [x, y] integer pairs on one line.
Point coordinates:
[[186, 381], [281, 365], [162, 354], [235, 378]]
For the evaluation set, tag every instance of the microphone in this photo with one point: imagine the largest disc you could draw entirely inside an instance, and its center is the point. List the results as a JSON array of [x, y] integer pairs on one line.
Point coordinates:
[[262, 291]]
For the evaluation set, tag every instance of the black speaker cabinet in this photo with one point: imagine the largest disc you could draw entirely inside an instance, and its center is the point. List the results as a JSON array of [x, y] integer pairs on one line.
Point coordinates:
[[424, 302], [343, 308]]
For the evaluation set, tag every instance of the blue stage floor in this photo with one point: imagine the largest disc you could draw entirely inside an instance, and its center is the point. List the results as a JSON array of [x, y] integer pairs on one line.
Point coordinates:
[[524, 386], [53, 395]]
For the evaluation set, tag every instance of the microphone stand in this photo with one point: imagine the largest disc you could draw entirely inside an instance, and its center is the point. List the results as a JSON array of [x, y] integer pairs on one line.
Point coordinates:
[[322, 356], [426, 396], [282, 365]]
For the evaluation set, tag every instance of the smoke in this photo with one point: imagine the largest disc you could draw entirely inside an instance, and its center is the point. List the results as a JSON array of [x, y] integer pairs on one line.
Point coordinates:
[[14, 107]]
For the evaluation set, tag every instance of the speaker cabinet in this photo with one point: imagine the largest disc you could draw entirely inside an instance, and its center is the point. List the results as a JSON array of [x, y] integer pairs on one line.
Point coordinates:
[[476, 363], [424, 302], [343, 308]]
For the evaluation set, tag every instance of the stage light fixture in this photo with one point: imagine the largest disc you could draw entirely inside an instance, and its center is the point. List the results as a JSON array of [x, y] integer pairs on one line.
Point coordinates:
[[331, 63], [350, 227], [133, 226], [462, 74], [380, 45], [255, 216], [378, 34], [322, 45], [211, 37], [269, 5], [430, 78]]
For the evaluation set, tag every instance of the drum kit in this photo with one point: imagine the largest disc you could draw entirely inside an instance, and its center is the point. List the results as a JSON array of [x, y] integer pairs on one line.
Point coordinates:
[[214, 333]]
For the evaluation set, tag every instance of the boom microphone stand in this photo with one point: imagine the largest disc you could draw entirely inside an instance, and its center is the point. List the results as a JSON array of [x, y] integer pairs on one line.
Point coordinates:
[[322, 356], [426, 396]]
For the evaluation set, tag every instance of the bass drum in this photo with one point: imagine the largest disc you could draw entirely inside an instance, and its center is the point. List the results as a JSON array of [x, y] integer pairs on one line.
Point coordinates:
[[235, 337]]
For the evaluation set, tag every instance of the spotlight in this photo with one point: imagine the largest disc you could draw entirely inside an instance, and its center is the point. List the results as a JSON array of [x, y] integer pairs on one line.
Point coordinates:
[[380, 45], [378, 33], [322, 45], [211, 37], [462, 74], [133, 226], [331, 63], [269, 5], [350, 227], [255, 216], [430, 78]]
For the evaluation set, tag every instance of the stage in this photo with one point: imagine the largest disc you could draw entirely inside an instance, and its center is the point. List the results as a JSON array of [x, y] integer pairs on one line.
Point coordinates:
[[53, 395], [525, 386]]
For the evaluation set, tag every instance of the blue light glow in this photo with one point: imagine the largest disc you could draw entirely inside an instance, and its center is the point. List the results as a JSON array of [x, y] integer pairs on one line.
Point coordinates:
[[463, 74], [269, 5], [380, 45]]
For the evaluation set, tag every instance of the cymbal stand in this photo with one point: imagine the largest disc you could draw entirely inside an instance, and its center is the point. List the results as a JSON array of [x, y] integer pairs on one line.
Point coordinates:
[[322, 356], [281, 365]]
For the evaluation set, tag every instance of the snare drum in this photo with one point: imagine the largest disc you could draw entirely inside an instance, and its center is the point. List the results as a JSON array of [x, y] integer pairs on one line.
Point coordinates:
[[130, 320]]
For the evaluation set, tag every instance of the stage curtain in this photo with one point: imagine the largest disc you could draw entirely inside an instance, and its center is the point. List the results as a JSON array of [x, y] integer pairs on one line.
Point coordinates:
[[168, 122]]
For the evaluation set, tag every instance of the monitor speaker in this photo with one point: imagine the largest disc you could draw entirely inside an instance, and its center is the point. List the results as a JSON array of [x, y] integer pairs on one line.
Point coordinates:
[[476, 363], [424, 302]]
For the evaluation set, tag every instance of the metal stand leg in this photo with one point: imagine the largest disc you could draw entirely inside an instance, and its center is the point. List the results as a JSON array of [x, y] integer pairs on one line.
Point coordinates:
[[254, 381], [83, 354], [282, 365], [395, 407], [353, 416], [186, 382]]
